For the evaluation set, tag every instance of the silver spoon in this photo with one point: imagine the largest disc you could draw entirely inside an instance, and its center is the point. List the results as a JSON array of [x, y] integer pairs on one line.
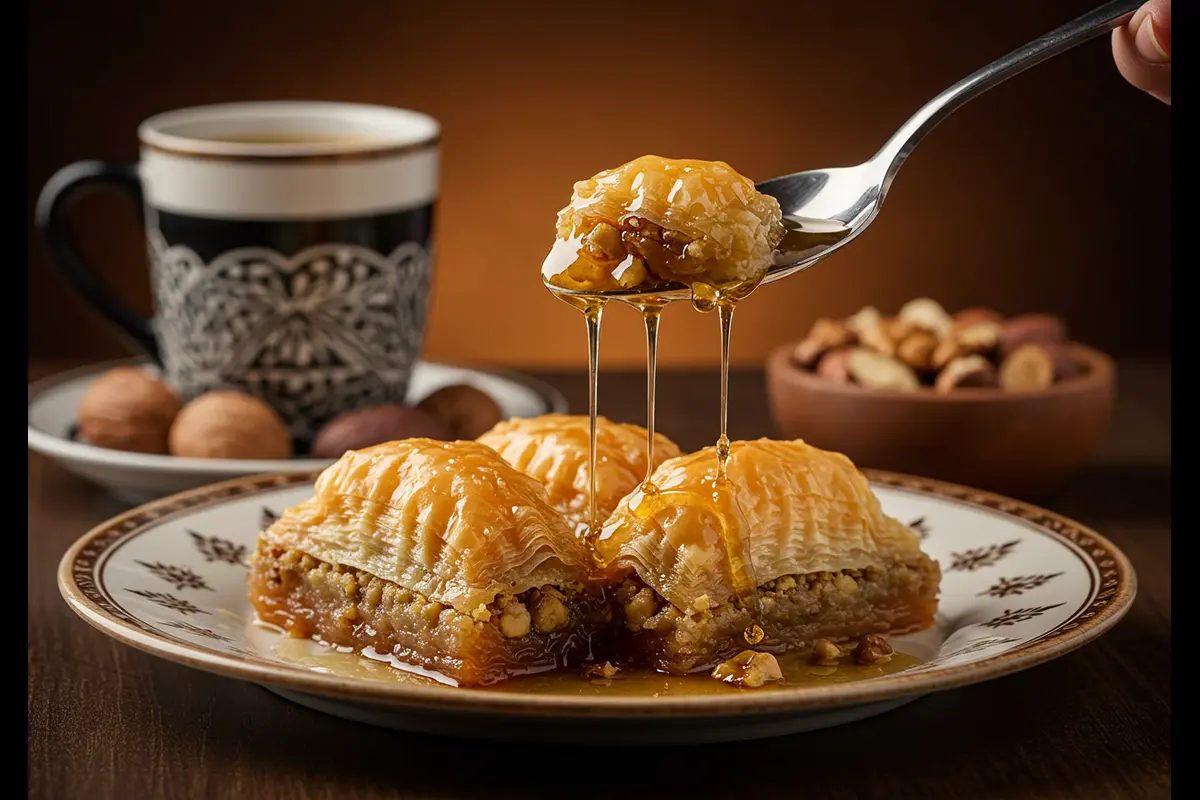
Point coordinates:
[[838, 204]]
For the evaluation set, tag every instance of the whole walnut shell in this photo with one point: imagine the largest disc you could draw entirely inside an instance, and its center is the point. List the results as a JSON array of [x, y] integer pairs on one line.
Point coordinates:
[[468, 412], [229, 424], [365, 427], [129, 409]]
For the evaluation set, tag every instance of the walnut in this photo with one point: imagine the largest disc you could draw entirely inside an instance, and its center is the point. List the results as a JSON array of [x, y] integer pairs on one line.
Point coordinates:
[[872, 649], [826, 334], [825, 653], [639, 609], [129, 409], [229, 424], [749, 670], [549, 613]]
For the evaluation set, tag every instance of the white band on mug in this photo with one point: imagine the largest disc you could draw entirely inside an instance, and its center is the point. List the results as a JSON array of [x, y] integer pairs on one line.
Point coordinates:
[[288, 188]]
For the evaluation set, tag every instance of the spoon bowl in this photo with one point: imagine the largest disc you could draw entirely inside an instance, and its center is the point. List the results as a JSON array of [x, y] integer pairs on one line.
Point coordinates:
[[824, 209]]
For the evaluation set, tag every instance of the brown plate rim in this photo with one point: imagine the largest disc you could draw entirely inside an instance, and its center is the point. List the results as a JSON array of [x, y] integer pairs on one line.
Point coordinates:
[[1116, 590]]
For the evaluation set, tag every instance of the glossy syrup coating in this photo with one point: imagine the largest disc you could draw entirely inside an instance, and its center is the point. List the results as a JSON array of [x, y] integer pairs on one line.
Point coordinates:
[[553, 448], [790, 508], [656, 219], [450, 520]]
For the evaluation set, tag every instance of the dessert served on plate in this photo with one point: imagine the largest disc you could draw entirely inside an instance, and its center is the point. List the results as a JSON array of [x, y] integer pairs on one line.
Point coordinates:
[[482, 561], [827, 563], [437, 553]]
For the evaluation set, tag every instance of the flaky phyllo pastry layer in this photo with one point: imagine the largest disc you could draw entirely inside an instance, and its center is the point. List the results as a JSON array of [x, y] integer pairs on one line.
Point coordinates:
[[658, 219], [450, 520], [801, 509], [554, 449], [450, 558]]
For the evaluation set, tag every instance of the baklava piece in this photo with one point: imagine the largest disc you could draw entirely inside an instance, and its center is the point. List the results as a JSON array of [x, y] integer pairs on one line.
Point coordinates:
[[660, 220], [438, 553], [553, 448], [829, 564]]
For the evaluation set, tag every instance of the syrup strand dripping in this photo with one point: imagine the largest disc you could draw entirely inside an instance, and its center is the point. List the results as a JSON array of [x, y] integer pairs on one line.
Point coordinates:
[[592, 313], [741, 564], [651, 315]]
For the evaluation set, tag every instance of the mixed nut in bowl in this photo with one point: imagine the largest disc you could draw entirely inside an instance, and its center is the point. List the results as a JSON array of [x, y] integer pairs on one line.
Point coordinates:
[[1006, 403]]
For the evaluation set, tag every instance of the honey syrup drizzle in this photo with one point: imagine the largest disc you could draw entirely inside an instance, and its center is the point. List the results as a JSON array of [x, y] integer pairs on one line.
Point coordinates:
[[593, 310], [651, 314]]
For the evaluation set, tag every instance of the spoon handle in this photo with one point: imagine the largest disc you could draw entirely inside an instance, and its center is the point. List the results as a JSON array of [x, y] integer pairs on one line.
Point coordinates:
[[1077, 31]]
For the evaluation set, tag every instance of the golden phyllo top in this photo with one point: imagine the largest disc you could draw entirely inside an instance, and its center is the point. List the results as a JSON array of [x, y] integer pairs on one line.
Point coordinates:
[[450, 520], [795, 509], [656, 220], [553, 448]]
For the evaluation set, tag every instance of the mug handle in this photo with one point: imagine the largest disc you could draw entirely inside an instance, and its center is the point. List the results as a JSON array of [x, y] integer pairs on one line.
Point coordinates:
[[52, 215]]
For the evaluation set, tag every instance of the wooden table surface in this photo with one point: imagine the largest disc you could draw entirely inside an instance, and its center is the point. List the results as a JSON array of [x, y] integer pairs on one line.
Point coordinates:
[[107, 721]]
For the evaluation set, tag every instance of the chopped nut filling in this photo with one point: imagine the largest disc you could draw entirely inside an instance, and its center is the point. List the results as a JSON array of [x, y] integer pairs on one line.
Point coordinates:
[[825, 653], [749, 670], [872, 649]]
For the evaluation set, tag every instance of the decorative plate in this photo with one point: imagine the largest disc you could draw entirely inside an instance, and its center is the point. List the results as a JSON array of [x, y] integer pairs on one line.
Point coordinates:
[[1021, 586], [139, 477]]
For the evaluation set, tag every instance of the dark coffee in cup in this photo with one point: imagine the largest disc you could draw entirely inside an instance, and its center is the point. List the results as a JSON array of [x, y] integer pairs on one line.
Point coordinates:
[[290, 249]]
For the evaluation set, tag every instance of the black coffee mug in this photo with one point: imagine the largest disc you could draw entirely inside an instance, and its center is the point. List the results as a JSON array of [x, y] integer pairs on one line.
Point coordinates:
[[290, 248]]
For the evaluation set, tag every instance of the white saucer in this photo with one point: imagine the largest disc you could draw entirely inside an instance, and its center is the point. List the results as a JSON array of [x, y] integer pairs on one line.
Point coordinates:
[[140, 477]]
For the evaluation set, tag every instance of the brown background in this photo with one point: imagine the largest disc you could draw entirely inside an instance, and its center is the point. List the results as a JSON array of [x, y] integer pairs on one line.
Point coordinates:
[[1049, 193]]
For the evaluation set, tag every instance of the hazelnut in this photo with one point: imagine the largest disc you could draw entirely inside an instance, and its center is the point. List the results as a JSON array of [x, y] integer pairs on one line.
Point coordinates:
[[835, 365], [465, 411], [229, 424], [127, 408], [872, 649], [898, 329], [946, 351], [825, 653], [878, 371], [917, 349], [1027, 328], [963, 372], [927, 314], [826, 334], [366, 427], [1028, 368]]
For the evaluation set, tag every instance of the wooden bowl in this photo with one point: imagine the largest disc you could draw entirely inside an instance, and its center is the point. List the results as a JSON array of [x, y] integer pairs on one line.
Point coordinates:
[[1021, 444]]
